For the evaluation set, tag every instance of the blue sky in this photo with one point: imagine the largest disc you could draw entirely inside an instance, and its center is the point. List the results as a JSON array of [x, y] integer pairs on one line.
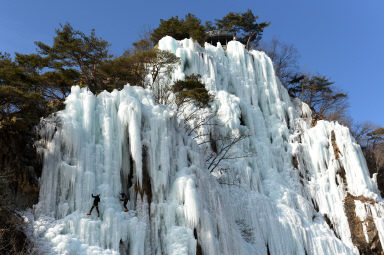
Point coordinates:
[[340, 39]]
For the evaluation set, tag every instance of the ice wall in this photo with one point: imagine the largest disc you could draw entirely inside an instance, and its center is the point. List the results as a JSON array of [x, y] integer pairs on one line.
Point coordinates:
[[290, 178]]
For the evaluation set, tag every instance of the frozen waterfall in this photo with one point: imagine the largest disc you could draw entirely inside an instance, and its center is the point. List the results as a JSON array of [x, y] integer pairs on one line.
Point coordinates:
[[286, 197]]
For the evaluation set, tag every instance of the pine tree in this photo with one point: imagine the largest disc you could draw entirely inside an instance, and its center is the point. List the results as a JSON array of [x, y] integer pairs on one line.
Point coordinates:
[[244, 27], [21, 105], [136, 68], [189, 27], [72, 49], [318, 92], [191, 89]]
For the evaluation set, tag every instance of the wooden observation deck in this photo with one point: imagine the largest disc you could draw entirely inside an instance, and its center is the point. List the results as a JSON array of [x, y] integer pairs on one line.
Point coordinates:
[[222, 36]]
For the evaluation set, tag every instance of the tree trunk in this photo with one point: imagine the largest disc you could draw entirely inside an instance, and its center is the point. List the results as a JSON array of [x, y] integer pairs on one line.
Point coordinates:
[[249, 39]]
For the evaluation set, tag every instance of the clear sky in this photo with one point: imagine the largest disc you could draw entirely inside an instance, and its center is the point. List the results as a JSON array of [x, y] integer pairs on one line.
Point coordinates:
[[340, 39]]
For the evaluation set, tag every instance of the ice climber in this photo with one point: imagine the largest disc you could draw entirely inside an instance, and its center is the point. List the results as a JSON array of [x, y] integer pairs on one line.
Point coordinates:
[[95, 204], [124, 198]]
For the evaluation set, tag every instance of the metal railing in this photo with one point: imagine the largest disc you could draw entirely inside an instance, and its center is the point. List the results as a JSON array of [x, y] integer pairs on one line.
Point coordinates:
[[218, 32]]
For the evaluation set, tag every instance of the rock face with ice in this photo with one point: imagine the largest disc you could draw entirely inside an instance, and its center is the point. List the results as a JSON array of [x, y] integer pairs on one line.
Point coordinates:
[[293, 187]]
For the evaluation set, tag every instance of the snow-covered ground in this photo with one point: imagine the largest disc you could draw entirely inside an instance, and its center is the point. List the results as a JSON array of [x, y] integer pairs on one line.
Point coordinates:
[[273, 200]]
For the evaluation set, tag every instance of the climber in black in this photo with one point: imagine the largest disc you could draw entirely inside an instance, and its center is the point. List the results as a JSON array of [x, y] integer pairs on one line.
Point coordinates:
[[124, 198], [95, 204]]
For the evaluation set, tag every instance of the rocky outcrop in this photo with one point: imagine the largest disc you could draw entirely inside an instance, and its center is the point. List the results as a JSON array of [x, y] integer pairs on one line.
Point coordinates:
[[380, 180], [366, 240], [364, 233], [336, 149]]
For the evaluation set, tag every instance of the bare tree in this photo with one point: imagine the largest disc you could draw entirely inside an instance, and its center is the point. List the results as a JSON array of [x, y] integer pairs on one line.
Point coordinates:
[[334, 106], [12, 237], [161, 67], [284, 57], [192, 103], [360, 131], [143, 44], [376, 142], [371, 138], [222, 150]]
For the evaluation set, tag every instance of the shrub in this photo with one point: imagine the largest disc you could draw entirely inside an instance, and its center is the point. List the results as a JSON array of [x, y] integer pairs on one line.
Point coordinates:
[[191, 89]]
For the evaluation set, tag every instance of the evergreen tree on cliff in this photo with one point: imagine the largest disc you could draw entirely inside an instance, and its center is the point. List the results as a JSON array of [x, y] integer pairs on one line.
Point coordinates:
[[189, 27], [244, 27], [74, 50]]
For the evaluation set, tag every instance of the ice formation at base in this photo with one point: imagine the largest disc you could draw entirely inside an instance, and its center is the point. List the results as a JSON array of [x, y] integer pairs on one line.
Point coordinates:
[[286, 196]]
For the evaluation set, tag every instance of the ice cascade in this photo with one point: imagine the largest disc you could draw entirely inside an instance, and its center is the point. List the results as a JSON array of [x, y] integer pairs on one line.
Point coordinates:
[[288, 195]]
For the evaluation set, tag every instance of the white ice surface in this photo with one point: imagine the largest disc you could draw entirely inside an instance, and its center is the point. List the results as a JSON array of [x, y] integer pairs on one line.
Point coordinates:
[[263, 204]]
